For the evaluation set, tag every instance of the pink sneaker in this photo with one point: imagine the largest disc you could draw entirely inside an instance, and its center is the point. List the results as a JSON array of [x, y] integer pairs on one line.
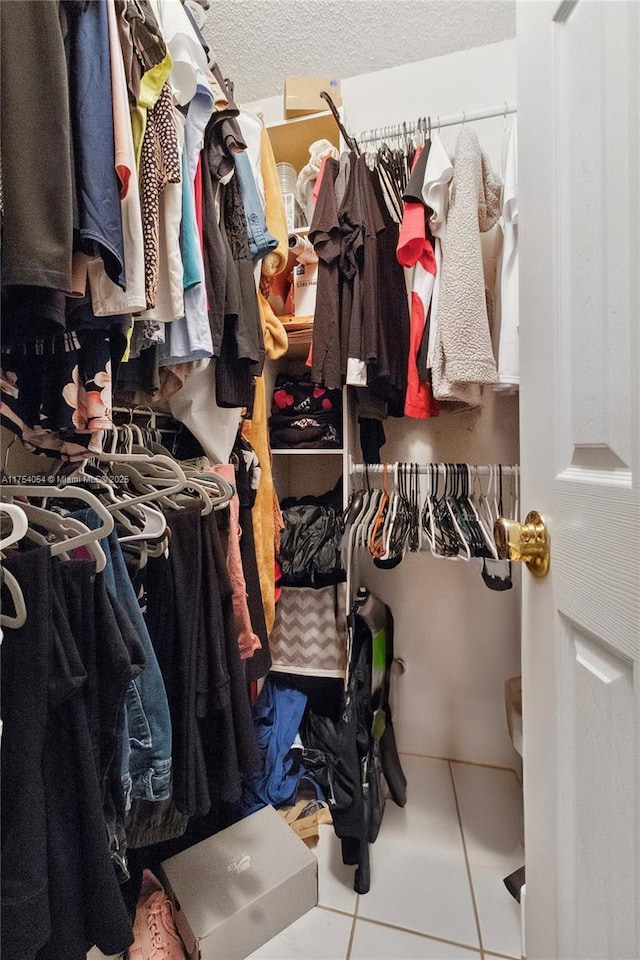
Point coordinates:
[[154, 929]]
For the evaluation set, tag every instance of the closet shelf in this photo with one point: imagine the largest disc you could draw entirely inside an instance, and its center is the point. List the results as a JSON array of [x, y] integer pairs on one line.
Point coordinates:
[[296, 323], [290, 139], [307, 452]]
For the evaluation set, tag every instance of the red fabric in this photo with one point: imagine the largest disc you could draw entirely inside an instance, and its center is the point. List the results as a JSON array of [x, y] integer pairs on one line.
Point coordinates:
[[419, 401], [318, 183], [413, 246], [415, 251], [197, 196]]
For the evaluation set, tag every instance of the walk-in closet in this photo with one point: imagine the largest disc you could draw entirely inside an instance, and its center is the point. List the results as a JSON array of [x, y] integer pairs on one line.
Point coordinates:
[[319, 497]]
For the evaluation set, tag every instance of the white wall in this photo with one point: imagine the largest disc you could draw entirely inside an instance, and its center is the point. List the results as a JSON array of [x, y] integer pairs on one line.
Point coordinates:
[[460, 641]]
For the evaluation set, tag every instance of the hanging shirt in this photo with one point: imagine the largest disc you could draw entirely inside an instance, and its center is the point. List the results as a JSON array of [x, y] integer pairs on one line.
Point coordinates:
[[187, 53], [189, 338], [325, 236], [508, 351], [435, 195], [387, 376], [463, 353], [360, 214], [99, 217], [416, 253], [37, 221], [108, 298]]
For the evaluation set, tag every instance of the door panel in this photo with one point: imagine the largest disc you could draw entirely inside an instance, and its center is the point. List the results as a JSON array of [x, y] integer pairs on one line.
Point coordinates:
[[596, 799], [579, 114]]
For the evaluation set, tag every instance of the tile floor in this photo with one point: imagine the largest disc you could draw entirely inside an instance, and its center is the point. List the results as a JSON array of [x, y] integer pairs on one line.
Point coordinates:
[[436, 876]]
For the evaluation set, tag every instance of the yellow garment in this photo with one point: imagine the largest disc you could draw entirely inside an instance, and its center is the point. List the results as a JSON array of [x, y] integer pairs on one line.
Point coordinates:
[[274, 212], [151, 86], [276, 341], [256, 431]]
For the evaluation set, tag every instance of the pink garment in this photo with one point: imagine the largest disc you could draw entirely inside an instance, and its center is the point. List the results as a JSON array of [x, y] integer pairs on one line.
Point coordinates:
[[248, 641], [121, 115], [318, 183]]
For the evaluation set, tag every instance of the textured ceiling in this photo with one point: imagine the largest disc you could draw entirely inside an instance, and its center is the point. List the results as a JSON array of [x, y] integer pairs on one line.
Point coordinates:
[[259, 42]]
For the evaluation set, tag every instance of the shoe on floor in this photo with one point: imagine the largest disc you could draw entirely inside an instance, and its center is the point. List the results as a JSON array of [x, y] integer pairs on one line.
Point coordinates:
[[154, 929]]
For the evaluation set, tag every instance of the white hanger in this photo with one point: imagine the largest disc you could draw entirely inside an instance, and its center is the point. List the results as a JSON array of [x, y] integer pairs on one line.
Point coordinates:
[[487, 533], [166, 472], [155, 525], [70, 492], [62, 527], [19, 527], [466, 549], [19, 524]]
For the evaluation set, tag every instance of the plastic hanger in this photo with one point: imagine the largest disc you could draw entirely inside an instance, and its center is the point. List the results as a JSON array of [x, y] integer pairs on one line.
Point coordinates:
[[475, 503], [20, 617], [452, 504], [19, 527], [65, 528], [66, 493], [19, 524], [375, 540], [154, 528], [168, 475]]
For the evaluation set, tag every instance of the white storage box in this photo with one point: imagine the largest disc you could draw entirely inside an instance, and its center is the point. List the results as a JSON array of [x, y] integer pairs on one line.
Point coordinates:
[[305, 284], [244, 885]]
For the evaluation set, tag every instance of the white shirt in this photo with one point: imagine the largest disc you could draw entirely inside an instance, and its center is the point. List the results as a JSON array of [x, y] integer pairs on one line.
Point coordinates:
[[435, 193], [508, 349]]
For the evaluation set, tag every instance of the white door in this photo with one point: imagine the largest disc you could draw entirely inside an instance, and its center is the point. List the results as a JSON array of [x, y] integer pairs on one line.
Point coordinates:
[[579, 119]]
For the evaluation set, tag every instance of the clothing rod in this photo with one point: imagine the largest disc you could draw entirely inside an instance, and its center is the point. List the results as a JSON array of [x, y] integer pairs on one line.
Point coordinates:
[[399, 129], [482, 470]]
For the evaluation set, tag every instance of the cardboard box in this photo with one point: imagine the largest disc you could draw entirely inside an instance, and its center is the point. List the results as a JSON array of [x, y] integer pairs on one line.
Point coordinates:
[[305, 285], [302, 95], [244, 885]]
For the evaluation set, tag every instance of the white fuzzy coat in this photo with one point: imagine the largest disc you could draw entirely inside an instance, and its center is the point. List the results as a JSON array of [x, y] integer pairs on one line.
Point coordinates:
[[463, 357]]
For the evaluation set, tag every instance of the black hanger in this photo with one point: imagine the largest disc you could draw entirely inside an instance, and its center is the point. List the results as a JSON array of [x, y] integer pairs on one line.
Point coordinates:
[[350, 141]]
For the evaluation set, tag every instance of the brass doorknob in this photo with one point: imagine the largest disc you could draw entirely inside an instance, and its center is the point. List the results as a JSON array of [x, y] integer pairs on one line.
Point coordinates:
[[528, 541]]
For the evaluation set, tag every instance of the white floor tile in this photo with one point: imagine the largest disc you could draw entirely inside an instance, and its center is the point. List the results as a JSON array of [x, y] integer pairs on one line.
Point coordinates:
[[490, 804], [375, 942], [317, 935], [418, 872], [335, 881]]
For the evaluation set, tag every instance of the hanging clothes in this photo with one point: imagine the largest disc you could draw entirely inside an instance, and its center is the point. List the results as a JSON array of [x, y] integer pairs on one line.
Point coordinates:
[[508, 298], [415, 252], [37, 220], [463, 357]]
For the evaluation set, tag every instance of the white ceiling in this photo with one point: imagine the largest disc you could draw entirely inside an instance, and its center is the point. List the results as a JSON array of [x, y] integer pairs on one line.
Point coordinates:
[[259, 42]]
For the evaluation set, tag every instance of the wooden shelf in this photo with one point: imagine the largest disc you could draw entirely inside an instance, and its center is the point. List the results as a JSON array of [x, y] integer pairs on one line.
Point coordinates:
[[297, 323], [291, 139], [295, 452]]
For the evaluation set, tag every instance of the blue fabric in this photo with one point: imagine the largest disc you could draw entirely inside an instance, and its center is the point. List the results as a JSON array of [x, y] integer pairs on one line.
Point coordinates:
[[277, 714], [198, 116], [190, 337], [99, 215], [193, 270], [261, 242], [146, 754]]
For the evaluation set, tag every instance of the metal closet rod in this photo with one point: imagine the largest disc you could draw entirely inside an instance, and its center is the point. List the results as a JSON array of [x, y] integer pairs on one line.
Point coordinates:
[[482, 470], [400, 129]]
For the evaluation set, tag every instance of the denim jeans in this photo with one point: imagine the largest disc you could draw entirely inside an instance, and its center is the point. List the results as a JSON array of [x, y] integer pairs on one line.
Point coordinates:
[[261, 242], [146, 747]]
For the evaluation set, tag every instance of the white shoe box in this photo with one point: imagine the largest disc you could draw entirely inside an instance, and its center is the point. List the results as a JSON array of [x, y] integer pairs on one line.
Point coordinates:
[[244, 885]]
